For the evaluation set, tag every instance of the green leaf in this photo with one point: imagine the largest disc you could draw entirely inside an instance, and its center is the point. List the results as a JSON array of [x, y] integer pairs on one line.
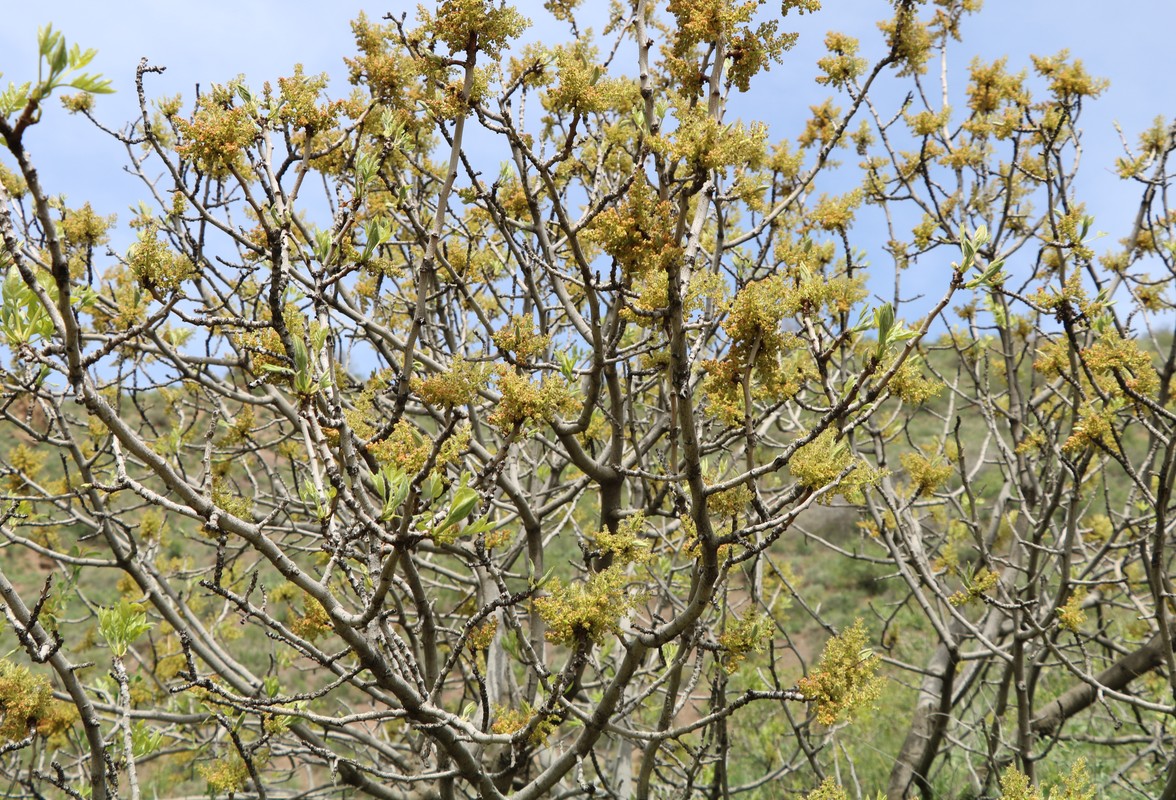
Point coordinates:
[[379, 483], [376, 232], [47, 39], [22, 317], [301, 356], [539, 584], [367, 165], [434, 487], [884, 323], [318, 338], [79, 58], [14, 97], [399, 489], [567, 366], [480, 525], [969, 253], [464, 501], [322, 246], [988, 277], [60, 59], [144, 740], [121, 625], [94, 84]]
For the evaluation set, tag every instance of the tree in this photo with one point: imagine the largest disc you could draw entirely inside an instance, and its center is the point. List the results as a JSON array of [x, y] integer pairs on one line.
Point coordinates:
[[604, 474]]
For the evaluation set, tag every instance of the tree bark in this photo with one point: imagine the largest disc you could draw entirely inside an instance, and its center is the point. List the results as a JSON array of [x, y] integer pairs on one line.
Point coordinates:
[[932, 711], [1115, 677]]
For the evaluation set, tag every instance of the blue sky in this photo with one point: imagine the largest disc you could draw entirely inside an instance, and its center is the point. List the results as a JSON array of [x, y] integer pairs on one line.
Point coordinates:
[[212, 41]]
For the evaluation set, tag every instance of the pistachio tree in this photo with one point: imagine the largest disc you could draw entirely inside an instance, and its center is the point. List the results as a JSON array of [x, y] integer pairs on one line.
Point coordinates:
[[589, 460]]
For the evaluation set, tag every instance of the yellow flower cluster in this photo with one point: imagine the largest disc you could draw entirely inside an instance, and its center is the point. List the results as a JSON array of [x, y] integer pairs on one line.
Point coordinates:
[[927, 475], [524, 400], [455, 387], [821, 461], [742, 637], [156, 266], [218, 134], [845, 680], [28, 705], [590, 609], [626, 544]]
